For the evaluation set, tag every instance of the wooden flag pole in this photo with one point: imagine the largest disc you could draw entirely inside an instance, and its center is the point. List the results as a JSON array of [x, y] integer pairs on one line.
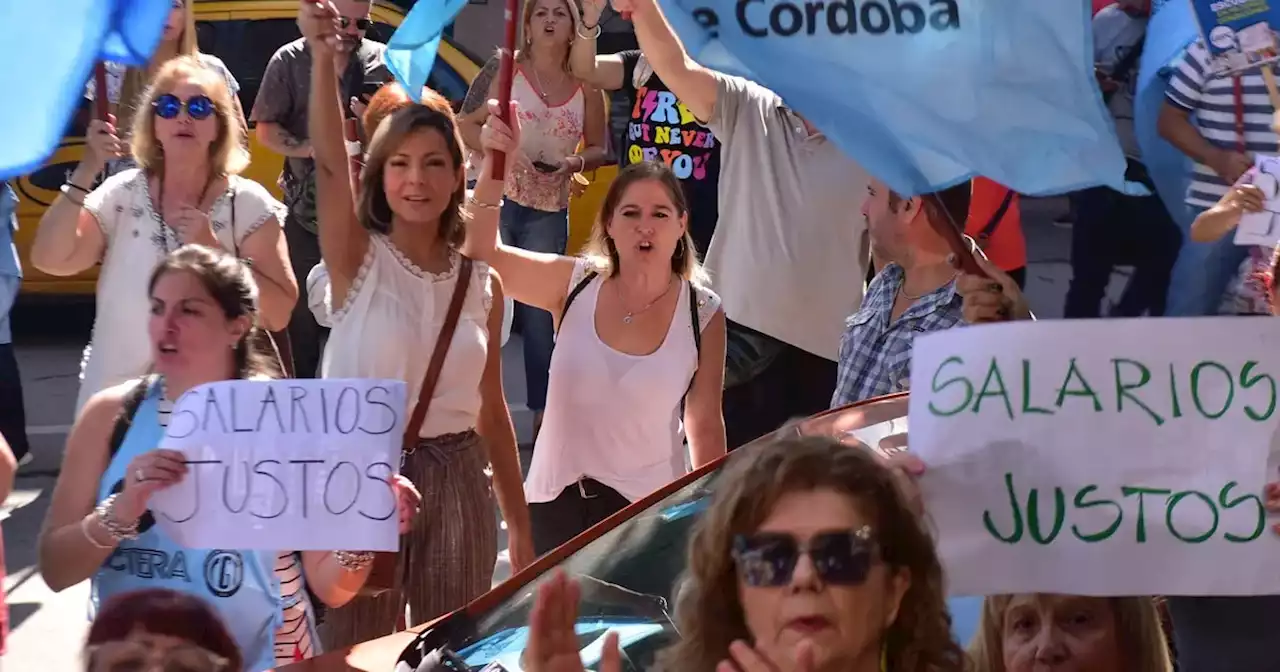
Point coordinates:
[[101, 105], [506, 72]]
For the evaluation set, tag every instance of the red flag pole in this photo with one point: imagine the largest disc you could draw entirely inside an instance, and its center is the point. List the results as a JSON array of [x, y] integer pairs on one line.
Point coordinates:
[[101, 105], [506, 71]]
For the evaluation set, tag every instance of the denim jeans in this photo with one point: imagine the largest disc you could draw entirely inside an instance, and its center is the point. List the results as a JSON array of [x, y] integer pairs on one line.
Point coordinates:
[[1202, 273], [536, 231]]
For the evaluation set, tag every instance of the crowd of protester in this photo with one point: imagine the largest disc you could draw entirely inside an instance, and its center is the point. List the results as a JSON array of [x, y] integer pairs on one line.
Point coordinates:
[[684, 306]]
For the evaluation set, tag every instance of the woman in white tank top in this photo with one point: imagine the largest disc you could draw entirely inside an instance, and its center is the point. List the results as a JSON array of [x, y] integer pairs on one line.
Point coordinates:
[[639, 334], [558, 113]]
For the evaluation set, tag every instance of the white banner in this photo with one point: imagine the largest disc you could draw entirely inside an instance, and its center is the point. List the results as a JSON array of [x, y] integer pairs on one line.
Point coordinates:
[[1101, 457], [286, 465]]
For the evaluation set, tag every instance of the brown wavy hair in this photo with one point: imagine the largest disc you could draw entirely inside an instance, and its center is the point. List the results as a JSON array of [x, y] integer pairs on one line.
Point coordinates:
[[1138, 631], [708, 613], [159, 611], [600, 248], [372, 208]]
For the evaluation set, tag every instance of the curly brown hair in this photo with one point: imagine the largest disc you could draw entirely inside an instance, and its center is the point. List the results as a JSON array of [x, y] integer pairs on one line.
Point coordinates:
[[708, 613]]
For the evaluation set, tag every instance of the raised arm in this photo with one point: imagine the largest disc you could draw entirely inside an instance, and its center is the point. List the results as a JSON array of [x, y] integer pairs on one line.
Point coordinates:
[[604, 71], [343, 242], [533, 278], [693, 84], [70, 237], [475, 109]]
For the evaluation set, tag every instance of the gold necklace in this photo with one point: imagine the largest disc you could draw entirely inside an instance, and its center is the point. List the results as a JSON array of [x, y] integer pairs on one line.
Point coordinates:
[[627, 319]]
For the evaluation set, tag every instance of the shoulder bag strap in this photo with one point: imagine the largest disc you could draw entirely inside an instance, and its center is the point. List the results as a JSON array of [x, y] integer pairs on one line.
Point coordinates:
[[128, 409], [994, 223], [414, 426], [697, 337]]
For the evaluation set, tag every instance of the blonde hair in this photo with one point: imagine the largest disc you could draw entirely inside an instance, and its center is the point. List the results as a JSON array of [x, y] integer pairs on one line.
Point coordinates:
[[1138, 630], [134, 81], [526, 37], [227, 154], [600, 248]]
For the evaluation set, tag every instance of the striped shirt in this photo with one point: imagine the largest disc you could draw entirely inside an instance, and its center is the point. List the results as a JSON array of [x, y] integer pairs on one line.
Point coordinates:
[[1213, 101]]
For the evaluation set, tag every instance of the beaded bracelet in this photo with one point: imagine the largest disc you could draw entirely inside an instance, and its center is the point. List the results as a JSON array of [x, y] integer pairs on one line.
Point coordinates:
[[353, 561], [117, 530], [84, 529]]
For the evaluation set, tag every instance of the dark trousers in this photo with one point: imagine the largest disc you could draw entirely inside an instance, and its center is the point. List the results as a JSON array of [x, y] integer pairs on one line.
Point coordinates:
[[306, 337], [13, 418], [796, 384], [577, 509], [1111, 230]]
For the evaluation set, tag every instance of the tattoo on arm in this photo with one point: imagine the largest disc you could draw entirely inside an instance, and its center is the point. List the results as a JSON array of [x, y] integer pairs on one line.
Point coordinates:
[[479, 91]]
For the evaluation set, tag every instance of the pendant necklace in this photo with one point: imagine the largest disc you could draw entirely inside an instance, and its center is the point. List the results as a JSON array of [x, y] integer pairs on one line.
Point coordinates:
[[630, 316]]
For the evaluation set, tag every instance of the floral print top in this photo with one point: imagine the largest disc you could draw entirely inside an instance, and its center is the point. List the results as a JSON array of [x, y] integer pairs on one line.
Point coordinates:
[[548, 134]]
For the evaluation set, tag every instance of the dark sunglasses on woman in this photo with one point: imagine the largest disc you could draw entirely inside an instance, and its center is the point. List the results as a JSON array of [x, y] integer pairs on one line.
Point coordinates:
[[768, 559], [168, 106], [141, 656]]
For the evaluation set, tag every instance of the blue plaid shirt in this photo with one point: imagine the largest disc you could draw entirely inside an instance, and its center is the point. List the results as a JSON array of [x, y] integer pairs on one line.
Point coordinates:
[[875, 355]]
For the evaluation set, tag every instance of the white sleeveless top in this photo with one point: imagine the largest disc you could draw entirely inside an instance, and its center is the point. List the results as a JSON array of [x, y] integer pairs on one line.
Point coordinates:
[[611, 416], [136, 240], [388, 325]]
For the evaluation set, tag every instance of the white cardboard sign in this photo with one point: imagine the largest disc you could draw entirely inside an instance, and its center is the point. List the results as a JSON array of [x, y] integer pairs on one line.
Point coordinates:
[[1263, 227], [286, 465], [1101, 457]]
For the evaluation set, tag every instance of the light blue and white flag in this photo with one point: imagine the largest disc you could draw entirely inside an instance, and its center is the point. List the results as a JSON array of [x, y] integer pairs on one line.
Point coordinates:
[[926, 93], [1171, 29], [411, 52], [47, 52]]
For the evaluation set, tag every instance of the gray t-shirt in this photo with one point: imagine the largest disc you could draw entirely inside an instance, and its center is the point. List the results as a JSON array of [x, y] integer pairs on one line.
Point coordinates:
[[786, 255], [1115, 34], [282, 99]]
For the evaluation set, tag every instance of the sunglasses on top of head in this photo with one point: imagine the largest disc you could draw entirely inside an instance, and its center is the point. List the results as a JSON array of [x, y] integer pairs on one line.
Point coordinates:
[[768, 559], [360, 24], [169, 106]]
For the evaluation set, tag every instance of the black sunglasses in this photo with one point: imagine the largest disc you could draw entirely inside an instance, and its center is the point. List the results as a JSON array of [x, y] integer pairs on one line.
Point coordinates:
[[169, 106], [768, 559], [360, 24]]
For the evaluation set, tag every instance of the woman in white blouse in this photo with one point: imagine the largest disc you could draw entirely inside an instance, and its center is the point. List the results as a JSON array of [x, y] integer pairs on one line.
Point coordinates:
[[189, 149], [394, 263], [639, 347]]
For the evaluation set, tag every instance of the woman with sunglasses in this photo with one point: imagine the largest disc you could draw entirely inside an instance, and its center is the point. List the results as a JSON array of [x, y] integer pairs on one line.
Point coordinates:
[[189, 150], [126, 85], [808, 559]]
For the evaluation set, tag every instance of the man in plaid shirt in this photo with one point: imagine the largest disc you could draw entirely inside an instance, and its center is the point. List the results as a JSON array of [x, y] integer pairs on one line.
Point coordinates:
[[914, 293]]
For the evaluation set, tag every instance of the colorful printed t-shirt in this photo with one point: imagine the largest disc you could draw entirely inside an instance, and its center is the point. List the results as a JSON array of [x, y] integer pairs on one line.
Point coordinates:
[[662, 129]]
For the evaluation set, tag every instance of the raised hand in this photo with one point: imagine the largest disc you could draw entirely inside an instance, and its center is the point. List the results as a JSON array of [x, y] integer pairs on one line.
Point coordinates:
[[553, 644], [102, 141], [146, 474]]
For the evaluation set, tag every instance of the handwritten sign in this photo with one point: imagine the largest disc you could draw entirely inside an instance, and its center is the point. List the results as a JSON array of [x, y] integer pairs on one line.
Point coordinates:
[[1116, 457], [286, 465], [1263, 227], [1238, 33]]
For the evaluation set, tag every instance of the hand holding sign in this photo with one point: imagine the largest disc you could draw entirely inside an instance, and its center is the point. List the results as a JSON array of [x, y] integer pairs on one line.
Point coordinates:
[[307, 465], [147, 474]]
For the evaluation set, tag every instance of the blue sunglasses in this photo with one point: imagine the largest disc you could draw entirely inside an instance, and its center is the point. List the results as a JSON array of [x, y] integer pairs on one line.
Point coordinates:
[[169, 106]]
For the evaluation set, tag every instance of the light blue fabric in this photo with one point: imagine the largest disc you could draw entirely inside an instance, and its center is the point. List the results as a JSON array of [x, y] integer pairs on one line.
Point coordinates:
[[241, 586], [9, 262], [966, 613], [927, 93], [49, 48], [411, 51]]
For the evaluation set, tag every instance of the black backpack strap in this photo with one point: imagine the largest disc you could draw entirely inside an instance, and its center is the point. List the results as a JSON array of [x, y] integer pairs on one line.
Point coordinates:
[[128, 409], [697, 337], [985, 234], [573, 293]]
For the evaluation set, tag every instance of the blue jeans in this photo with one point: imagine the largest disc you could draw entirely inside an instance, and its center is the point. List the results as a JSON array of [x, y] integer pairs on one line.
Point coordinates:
[[1202, 273], [536, 231]]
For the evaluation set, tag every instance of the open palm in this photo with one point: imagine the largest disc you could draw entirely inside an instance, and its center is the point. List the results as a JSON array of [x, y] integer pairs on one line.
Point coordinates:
[[553, 644]]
